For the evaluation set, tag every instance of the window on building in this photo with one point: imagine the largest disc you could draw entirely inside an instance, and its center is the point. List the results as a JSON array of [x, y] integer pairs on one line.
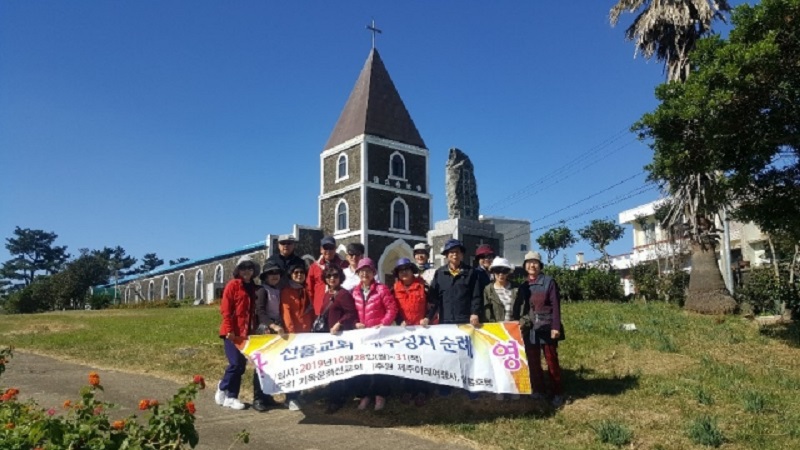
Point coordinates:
[[218, 274], [523, 247], [151, 291], [198, 285], [181, 287], [649, 233], [127, 294], [341, 215], [341, 167], [399, 211], [165, 289], [398, 166]]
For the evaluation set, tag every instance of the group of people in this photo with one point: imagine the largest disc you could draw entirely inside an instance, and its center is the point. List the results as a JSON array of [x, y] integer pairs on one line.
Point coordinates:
[[335, 295]]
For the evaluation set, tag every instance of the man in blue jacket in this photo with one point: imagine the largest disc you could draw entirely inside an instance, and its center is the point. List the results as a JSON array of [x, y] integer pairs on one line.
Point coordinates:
[[455, 290]]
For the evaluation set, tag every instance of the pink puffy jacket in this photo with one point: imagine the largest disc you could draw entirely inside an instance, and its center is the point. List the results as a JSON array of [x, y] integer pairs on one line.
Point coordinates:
[[379, 308]]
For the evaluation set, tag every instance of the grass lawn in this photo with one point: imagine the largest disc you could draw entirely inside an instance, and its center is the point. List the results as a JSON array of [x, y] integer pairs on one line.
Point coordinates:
[[681, 381]]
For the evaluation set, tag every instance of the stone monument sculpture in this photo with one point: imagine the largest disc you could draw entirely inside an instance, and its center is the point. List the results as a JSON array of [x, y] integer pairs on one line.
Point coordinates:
[[462, 189]]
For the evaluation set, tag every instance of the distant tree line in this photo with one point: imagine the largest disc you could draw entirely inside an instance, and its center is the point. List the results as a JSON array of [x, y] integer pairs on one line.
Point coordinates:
[[42, 276]]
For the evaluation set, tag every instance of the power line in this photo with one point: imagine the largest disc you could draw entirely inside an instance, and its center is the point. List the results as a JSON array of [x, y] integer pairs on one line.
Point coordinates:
[[608, 142], [561, 176], [589, 197], [630, 194]]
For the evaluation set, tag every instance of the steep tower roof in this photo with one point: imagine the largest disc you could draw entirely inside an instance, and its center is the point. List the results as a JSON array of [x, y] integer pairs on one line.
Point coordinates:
[[375, 108]]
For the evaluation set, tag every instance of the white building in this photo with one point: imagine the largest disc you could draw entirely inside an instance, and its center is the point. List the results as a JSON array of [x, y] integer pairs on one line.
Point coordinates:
[[516, 236]]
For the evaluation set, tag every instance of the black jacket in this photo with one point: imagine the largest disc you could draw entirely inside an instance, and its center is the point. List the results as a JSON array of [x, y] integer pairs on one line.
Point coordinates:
[[285, 264], [455, 298]]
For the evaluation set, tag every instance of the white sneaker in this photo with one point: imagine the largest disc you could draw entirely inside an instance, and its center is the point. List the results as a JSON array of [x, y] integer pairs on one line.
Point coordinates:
[[294, 405], [233, 403], [220, 396]]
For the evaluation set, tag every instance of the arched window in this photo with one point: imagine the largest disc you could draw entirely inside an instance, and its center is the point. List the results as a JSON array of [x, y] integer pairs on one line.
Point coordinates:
[[165, 288], [151, 291], [181, 286], [399, 211], [341, 167], [127, 294], [218, 274], [341, 215], [398, 166], [198, 285]]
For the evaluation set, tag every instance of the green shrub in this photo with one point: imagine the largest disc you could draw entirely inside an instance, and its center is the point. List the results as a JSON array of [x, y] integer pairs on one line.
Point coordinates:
[[765, 294], [704, 431], [101, 301], [672, 287], [597, 284], [645, 278], [614, 433], [568, 281]]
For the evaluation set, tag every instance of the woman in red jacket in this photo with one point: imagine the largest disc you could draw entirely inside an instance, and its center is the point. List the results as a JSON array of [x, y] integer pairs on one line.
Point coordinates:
[[376, 307], [238, 319], [411, 294]]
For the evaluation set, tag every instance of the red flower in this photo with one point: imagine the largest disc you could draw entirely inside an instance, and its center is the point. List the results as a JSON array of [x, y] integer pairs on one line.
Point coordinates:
[[190, 407], [118, 424], [51, 412], [94, 379], [199, 380], [143, 404], [67, 403], [153, 403], [98, 410]]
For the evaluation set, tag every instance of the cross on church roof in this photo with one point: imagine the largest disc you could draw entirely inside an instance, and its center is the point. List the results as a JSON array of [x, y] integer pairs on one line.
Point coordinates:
[[374, 30]]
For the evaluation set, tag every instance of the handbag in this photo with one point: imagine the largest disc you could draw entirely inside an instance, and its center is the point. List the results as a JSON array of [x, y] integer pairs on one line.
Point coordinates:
[[320, 324]]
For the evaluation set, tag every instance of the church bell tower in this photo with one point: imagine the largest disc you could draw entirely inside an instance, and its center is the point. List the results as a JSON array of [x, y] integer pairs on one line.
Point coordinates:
[[374, 173]]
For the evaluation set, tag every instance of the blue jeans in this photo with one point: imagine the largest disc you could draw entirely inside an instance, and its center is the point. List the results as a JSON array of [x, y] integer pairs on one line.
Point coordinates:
[[232, 379]]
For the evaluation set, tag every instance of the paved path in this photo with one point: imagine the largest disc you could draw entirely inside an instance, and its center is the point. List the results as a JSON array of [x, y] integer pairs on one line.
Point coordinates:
[[50, 381]]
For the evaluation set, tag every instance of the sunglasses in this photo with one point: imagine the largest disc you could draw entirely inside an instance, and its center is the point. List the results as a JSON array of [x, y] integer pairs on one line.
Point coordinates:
[[298, 272], [501, 272], [247, 268], [333, 275], [487, 257], [354, 254], [286, 243]]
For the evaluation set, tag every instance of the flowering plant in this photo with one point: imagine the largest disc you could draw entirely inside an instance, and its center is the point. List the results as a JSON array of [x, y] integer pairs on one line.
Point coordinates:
[[84, 423]]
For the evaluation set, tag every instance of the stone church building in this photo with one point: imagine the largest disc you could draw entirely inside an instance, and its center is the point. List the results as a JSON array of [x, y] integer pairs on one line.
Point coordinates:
[[374, 189]]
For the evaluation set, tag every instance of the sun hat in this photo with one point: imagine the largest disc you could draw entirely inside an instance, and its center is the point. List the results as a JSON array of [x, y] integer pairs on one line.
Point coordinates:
[[405, 263], [484, 249], [365, 263], [245, 260], [499, 262], [284, 238], [532, 255], [421, 248], [451, 244], [269, 268]]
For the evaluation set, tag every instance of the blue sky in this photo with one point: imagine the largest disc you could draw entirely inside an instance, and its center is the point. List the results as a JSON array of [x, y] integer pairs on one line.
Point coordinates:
[[191, 128]]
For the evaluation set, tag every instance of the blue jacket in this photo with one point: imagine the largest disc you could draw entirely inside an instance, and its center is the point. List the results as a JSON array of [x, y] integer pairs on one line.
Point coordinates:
[[455, 297]]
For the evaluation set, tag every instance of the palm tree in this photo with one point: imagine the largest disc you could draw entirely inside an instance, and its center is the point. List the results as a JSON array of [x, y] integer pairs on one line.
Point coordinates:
[[669, 30]]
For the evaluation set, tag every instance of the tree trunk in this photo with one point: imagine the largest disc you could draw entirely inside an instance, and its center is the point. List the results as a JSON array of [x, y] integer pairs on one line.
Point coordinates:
[[707, 293], [774, 258]]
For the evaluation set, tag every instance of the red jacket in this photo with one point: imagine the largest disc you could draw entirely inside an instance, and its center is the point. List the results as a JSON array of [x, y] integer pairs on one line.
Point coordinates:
[[237, 308], [379, 308], [412, 301], [296, 312], [315, 284]]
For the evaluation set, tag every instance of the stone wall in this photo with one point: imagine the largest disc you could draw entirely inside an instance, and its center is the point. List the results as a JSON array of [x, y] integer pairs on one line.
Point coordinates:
[[379, 204], [137, 290], [330, 168], [378, 168], [328, 211]]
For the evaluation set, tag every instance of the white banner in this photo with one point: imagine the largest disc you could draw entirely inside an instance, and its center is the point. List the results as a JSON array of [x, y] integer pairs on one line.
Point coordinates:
[[490, 358]]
